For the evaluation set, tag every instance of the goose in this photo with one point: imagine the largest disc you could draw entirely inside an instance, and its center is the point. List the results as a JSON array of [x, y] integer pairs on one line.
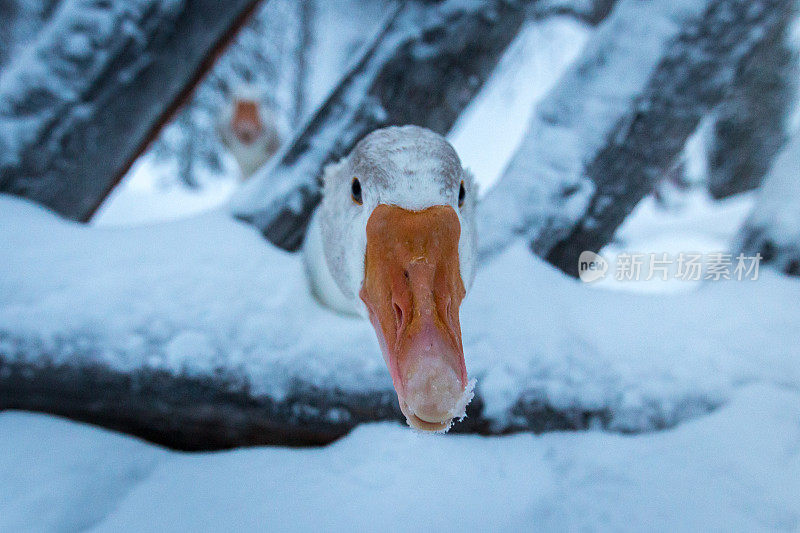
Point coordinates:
[[249, 132], [393, 240]]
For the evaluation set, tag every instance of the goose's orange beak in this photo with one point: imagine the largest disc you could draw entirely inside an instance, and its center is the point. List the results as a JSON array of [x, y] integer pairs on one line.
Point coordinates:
[[413, 290]]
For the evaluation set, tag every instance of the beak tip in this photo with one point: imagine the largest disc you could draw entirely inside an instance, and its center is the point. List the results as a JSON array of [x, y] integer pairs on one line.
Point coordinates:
[[434, 397]]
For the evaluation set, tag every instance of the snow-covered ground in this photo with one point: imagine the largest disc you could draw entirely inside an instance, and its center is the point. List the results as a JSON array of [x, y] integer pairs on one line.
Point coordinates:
[[143, 199], [737, 469]]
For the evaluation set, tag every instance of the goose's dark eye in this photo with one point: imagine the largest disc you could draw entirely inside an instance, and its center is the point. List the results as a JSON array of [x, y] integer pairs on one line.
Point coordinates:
[[462, 195], [355, 191]]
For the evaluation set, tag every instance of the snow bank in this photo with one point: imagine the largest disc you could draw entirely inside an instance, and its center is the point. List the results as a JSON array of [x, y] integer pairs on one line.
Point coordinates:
[[206, 296], [60, 476], [735, 470]]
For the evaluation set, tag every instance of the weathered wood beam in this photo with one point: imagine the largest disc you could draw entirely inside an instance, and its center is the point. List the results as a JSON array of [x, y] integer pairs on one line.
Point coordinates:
[[95, 88]]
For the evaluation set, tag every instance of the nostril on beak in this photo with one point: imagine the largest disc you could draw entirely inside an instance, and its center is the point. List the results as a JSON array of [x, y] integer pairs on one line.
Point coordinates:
[[398, 316]]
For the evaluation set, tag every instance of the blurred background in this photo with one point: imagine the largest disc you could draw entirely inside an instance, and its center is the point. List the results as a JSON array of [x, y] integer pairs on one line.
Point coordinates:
[[160, 161]]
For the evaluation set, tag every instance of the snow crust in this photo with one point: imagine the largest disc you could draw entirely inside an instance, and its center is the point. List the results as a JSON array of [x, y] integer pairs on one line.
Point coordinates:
[[206, 295], [737, 469]]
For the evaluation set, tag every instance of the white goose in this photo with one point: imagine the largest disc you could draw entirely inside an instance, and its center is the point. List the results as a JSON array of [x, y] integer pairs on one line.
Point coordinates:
[[394, 240]]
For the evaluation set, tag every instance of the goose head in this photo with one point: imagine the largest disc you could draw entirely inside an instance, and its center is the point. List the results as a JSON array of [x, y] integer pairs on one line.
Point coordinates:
[[249, 131], [398, 236]]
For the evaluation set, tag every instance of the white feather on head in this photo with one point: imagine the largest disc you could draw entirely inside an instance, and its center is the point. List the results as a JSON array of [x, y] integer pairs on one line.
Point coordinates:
[[407, 166]]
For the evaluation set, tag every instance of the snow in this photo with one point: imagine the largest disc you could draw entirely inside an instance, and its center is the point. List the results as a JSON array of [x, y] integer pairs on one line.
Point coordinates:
[[460, 410], [204, 295], [573, 121], [62, 476], [485, 135], [143, 198], [489, 130], [737, 469], [697, 224], [198, 293], [336, 41]]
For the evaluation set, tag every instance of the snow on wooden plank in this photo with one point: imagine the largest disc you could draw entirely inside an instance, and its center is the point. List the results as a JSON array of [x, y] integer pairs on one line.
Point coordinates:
[[617, 120], [196, 335]]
